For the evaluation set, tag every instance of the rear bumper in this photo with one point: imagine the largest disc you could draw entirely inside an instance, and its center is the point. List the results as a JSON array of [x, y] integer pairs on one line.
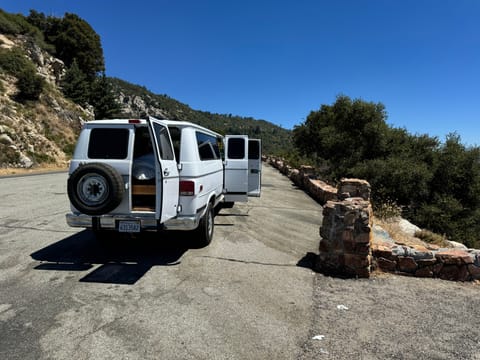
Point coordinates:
[[147, 222]]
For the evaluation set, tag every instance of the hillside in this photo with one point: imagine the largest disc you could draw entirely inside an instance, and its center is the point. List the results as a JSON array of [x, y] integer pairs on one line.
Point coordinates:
[[49, 86], [137, 101], [40, 131]]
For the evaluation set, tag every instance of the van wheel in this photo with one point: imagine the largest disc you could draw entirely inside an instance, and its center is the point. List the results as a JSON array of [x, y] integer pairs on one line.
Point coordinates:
[[95, 188], [205, 228]]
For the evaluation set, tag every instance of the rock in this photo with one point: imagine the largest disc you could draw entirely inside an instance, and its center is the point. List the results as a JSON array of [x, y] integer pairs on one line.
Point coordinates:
[[407, 227], [386, 264], [474, 271], [457, 245], [5, 139], [454, 273], [354, 188], [5, 42], [424, 272], [382, 250], [421, 254], [407, 264], [454, 257], [25, 161], [380, 234]]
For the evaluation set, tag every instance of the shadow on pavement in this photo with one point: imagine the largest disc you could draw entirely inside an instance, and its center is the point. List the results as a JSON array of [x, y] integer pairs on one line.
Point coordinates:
[[122, 259], [308, 261]]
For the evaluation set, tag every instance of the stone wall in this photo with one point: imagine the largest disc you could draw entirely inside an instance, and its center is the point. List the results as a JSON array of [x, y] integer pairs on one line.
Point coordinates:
[[305, 179], [346, 238], [445, 263], [350, 246]]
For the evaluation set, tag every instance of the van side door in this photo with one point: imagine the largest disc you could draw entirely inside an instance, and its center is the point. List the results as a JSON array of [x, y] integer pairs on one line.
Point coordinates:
[[236, 168], [166, 171], [254, 167]]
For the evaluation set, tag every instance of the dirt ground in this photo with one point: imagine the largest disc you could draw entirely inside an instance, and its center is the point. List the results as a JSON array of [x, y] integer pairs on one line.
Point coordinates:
[[394, 317], [33, 170]]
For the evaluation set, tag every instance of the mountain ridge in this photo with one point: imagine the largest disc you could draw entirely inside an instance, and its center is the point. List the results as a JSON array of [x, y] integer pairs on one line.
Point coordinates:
[[39, 123]]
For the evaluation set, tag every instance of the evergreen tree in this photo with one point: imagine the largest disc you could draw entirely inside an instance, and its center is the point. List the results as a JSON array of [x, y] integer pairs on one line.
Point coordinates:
[[103, 99], [75, 39], [75, 85]]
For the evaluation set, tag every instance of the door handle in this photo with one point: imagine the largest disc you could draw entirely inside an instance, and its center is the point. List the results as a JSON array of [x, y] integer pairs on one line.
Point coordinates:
[[166, 172]]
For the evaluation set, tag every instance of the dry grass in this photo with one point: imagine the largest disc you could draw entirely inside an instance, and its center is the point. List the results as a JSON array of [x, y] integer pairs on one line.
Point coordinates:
[[432, 238], [393, 228], [35, 170]]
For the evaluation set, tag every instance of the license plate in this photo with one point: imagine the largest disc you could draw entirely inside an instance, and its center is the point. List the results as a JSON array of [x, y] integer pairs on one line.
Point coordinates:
[[129, 226]]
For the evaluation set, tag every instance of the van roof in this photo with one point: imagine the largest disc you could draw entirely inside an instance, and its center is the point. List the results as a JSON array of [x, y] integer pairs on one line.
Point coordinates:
[[144, 122]]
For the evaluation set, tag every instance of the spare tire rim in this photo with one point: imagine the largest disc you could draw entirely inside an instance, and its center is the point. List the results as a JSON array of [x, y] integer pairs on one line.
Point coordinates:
[[92, 189]]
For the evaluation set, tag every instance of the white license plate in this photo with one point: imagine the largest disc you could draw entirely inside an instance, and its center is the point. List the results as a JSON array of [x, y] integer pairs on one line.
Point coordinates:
[[129, 226]]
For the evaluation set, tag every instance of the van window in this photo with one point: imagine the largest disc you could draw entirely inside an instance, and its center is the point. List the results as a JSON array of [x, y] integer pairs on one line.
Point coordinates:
[[207, 147], [253, 150], [236, 148], [108, 143], [176, 136], [164, 144]]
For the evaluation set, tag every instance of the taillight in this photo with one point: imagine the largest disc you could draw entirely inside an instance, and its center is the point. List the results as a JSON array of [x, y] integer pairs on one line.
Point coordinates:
[[187, 188], [134, 121]]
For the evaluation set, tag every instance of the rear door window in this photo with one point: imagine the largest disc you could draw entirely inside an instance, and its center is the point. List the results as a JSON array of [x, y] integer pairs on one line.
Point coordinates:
[[236, 148], [108, 143], [253, 150]]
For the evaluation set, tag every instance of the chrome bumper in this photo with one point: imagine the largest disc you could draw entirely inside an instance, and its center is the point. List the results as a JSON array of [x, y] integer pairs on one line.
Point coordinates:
[[110, 222]]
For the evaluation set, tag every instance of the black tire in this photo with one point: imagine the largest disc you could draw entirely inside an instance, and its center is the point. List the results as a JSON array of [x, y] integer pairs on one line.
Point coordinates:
[[95, 188], [204, 232]]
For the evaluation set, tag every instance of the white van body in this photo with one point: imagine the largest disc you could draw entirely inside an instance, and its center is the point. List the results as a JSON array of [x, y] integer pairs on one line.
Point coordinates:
[[135, 175]]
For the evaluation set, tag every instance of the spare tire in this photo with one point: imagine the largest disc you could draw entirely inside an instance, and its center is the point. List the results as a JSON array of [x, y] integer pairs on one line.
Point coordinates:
[[95, 188]]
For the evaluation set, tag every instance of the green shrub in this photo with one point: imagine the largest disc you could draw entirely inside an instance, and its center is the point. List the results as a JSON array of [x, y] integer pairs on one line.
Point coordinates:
[[30, 85], [8, 155], [14, 61], [40, 158]]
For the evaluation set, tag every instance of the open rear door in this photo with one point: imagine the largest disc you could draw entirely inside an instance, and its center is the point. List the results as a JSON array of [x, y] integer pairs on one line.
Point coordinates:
[[254, 167], [236, 168], [166, 171]]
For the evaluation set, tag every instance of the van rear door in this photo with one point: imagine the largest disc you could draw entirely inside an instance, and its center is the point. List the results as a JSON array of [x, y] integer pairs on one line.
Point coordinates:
[[166, 171], [254, 167], [236, 168]]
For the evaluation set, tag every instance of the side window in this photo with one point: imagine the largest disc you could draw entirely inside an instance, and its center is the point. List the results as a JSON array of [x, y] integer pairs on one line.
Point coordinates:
[[176, 135], [253, 150], [108, 143], [207, 147], [236, 148], [164, 144]]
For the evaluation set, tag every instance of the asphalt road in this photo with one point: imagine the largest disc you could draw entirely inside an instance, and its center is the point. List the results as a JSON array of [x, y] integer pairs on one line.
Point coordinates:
[[249, 295]]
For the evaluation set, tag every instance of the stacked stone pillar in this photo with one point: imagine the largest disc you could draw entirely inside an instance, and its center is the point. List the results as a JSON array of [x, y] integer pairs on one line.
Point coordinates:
[[347, 232]]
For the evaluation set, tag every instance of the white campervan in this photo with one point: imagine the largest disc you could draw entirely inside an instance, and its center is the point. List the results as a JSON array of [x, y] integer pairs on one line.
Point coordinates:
[[135, 175]]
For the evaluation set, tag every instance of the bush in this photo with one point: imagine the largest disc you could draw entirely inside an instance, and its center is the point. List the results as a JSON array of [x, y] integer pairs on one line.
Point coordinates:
[[432, 238], [30, 85], [437, 185], [8, 155], [16, 63]]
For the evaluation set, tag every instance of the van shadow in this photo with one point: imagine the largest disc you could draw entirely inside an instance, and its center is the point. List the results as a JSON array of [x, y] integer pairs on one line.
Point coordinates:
[[122, 259]]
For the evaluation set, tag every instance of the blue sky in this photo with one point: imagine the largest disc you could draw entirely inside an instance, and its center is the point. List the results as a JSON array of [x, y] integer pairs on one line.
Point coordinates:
[[278, 60]]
